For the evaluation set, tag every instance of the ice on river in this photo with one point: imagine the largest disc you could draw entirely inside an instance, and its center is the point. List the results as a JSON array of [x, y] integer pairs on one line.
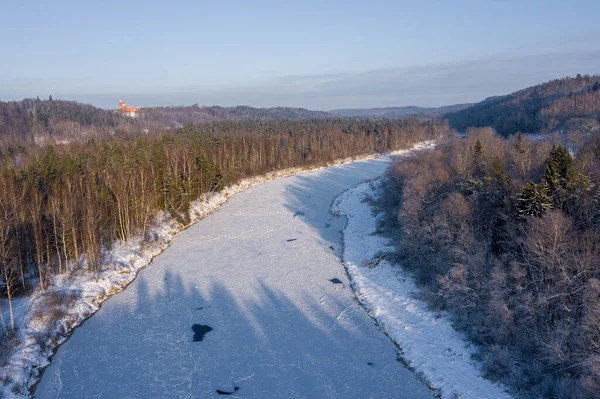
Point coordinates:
[[245, 302]]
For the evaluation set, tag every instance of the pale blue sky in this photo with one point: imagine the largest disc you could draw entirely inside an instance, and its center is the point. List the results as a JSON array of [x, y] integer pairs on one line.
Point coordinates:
[[313, 54]]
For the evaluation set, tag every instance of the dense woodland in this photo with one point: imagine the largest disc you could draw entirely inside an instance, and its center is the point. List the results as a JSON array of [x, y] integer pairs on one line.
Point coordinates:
[[505, 234], [562, 104], [58, 121], [399, 112], [175, 116], [34, 120], [62, 205]]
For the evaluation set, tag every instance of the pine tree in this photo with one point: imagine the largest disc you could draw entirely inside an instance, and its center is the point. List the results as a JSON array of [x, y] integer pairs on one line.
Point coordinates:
[[478, 148], [578, 181], [534, 200], [496, 174], [519, 147], [558, 166], [479, 160]]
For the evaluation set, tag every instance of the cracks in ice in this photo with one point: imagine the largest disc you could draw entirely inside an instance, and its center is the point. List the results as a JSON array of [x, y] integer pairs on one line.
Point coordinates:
[[340, 315], [57, 383]]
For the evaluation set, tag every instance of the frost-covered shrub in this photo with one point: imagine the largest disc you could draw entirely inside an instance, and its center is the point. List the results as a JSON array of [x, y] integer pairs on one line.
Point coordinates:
[[496, 363], [522, 284]]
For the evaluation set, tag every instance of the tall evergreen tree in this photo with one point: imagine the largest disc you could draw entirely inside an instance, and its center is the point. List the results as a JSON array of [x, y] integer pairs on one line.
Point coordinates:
[[534, 200], [558, 166]]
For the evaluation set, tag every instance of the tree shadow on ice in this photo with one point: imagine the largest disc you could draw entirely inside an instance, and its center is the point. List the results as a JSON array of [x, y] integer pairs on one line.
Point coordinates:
[[268, 344], [287, 350], [265, 345]]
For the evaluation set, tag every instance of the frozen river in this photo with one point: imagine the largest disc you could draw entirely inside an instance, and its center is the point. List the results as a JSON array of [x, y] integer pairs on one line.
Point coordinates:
[[252, 300]]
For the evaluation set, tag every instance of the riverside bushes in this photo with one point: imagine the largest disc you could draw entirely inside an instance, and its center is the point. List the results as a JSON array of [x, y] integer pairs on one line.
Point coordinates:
[[505, 234]]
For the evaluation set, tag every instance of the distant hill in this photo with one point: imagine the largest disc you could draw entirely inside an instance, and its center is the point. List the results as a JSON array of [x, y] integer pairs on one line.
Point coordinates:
[[174, 116], [63, 121], [19, 117], [398, 112], [55, 121], [551, 106]]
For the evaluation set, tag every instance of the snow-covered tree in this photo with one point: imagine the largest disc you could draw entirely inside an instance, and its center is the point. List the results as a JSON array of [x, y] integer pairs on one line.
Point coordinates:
[[534, 200]]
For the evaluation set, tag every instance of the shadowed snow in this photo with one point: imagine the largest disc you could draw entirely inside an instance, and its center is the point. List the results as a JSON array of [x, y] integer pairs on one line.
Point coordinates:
[[280, 328]]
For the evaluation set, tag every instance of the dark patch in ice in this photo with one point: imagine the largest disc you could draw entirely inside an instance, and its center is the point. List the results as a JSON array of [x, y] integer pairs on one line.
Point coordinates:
[[200, 308], [369, 363], [199, 331], [327, 225], [298, 213], [332, 248], [336, 280], [235, 389], [292, 239]]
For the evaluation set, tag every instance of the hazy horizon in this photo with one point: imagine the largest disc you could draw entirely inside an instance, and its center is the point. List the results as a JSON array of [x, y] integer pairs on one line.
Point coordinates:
[[310, 55]]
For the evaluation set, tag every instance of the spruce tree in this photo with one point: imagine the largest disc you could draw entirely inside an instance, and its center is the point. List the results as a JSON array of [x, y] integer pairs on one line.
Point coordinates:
[[478, 148], [496, 174], [534, 200], [519, 147], [558, 166], [479, 160]]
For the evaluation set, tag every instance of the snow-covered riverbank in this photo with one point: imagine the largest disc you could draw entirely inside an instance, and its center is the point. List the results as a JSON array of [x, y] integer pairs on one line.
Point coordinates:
[[261, 278], [80, 296], [428, 342]]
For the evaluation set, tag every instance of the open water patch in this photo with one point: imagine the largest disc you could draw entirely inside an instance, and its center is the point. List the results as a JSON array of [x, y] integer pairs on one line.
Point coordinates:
[[235, 389], [200, 330]]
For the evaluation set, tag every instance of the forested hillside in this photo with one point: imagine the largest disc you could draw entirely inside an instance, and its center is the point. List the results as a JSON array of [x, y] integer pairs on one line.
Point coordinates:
[[558, 104], [61, 206], [51, 120], [175, 116], [59, 121], [505, 234], [399, 112]]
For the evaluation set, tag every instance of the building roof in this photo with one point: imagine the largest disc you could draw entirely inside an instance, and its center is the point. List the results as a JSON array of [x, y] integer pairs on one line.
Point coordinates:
[[125, 108]]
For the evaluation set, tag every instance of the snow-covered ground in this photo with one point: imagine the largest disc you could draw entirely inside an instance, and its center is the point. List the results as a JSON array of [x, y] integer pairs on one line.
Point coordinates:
[[429, 343], [261, 283]]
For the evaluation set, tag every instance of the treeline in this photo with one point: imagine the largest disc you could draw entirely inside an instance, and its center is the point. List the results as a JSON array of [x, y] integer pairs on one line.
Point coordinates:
[[32, 120], [61, 206], [174, 116], [400, 112], [550, 106], [505, 234], [58, 121]]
